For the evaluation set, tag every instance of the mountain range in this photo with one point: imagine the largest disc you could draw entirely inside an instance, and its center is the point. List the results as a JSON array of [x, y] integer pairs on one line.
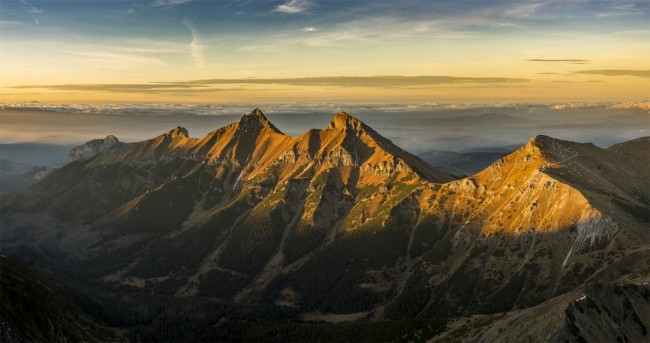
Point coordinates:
[[341, 225]]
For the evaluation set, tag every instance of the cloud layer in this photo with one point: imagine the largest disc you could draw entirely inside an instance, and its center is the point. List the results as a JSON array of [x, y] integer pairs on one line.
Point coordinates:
[[572, 61], [616, 72], [332, 81]]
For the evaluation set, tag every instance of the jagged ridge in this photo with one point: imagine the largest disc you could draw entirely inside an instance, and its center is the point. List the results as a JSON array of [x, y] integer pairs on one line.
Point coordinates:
[[252, 144], [250, 214]]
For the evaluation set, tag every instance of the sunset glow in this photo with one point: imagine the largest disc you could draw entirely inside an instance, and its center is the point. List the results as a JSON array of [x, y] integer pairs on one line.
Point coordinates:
[[301, 50]]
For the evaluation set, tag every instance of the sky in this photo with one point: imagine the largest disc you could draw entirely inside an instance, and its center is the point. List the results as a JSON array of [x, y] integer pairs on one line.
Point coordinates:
[[247, 51]]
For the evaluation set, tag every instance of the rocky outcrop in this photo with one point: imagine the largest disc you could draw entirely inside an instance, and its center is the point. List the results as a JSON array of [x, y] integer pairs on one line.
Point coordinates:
[[256, 121], [593, 313], [92, 148], [175, 133]]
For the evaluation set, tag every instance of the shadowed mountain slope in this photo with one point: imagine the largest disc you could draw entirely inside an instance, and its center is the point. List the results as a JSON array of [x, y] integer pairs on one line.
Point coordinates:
[[35, 307], [338, 221]]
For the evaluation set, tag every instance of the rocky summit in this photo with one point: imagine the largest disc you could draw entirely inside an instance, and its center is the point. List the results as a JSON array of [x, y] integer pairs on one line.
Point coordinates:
[[92, 148], [340, 225]]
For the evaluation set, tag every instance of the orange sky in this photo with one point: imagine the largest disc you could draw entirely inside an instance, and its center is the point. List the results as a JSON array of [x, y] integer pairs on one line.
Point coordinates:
[[472, 51]]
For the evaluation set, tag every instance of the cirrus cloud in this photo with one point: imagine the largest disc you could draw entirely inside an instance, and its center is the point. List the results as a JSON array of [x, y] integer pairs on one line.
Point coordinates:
[[292, 6]]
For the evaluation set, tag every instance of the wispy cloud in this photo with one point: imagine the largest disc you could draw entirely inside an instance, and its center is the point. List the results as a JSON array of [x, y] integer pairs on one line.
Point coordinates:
[[573, 61], [112, 86], [5, 23], [293, 6], [332, 81], [112, 59], [169, 2], [32, 9], [565, 60], [333, 37], [616, 72], [454, 18], [149, 46], [316, 38], [524, 10], [196, 48], [364, 81], [143, 88]]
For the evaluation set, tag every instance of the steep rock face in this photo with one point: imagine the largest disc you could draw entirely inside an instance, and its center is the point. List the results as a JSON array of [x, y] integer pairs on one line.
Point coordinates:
[[244, 142], [92, 148], [377, 154], [361, 154], [521, 231], [522, 194]]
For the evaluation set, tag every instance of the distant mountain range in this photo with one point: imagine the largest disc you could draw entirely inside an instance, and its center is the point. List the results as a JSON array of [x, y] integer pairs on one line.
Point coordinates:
[[463, 163], [340, 224]]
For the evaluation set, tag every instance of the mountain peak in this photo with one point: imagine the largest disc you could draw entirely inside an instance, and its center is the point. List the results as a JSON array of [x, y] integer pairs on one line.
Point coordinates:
[[177, 132], [556, 148], [543, 146], [111, 138], [92, 148], [256, 120], [257, 112], [541, 140], [342, 121]]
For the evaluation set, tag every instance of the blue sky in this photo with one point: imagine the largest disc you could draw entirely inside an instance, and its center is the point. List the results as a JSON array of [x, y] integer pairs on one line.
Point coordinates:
[[576, 49]]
